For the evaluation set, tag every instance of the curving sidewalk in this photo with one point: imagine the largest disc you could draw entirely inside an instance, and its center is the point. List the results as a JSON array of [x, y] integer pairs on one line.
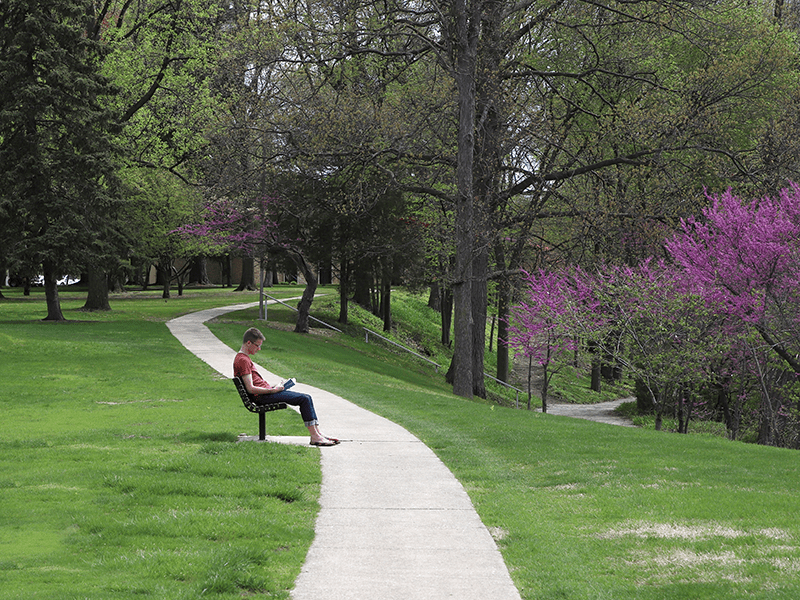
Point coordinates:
[[393, 523]]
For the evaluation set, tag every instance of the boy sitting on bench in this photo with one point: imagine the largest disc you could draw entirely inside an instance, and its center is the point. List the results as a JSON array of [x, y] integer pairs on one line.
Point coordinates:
[[243, 367]]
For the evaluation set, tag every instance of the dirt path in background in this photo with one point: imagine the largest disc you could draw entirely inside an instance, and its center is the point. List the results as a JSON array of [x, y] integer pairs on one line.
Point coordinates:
[[602, 412]]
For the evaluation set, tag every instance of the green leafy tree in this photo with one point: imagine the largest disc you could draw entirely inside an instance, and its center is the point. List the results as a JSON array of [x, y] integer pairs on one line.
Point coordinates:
[[159, 56], [57, 180], [158, 204]]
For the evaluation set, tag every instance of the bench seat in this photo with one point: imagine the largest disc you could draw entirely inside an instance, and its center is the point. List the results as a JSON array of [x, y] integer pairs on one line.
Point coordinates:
[[252, 405]]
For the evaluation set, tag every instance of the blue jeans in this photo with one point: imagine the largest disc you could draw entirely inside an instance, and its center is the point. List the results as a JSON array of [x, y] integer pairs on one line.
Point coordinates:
[[304, 401]]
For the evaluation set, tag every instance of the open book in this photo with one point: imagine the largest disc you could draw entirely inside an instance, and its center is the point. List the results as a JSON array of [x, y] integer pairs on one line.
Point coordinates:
[[289, 383]]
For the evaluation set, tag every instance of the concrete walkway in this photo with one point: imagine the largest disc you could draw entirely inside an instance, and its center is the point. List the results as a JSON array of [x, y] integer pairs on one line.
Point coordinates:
[[393, 523]]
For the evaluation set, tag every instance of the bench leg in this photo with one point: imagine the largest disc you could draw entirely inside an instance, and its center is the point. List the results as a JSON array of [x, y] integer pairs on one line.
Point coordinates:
[[262, 426]]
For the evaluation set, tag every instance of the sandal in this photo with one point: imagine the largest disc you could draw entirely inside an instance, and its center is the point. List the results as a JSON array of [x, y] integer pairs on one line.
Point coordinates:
[[324, 443]]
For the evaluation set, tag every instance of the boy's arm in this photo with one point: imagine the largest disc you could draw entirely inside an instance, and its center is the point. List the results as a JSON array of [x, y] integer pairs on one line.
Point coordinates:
[[258, 390]]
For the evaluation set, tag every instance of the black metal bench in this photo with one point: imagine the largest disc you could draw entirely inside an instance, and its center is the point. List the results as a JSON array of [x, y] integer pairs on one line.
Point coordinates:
[[250, 404]]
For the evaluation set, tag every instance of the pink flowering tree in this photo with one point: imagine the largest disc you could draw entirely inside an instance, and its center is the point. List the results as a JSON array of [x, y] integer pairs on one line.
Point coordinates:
[[644, 318], [546, 328], [253, 228], [746, 255]]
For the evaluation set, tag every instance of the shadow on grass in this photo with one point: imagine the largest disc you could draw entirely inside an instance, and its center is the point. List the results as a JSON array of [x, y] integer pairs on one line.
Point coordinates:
[[207, 436]]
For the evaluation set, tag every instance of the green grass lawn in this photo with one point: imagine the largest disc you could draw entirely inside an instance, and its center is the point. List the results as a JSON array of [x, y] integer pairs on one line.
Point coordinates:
[[119, 475], [120, 478]]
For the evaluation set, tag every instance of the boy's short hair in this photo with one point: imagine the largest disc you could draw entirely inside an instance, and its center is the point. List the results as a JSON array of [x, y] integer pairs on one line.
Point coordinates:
[[252, 335]]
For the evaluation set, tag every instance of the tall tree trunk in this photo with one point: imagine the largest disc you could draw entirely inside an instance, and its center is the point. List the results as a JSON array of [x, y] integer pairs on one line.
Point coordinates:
[[201, 265], [3, 275], [503, 307], [447, 315], [225, 264], [466, 20], [344, 284], [479, 300], [386, 301], [435, 297], [248, 279], [165, 268], [97, 296], [51, 293], [361, 277]]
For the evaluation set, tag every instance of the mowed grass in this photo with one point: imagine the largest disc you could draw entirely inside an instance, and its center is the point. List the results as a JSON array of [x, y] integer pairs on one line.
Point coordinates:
[[120, 478], [119, 472], [580, 510]]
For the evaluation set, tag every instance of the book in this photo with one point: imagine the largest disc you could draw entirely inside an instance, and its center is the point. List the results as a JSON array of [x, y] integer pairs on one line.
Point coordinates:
[[289, 383]]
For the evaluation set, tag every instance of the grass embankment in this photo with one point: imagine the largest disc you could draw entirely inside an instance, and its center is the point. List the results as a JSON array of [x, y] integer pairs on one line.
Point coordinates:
[[148, 496]]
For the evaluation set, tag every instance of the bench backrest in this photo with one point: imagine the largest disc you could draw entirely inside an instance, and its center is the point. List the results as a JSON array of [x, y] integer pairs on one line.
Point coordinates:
[[248, 400]]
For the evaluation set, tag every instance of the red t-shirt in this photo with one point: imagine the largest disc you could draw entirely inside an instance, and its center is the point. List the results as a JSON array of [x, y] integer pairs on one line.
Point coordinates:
[[242, 365]]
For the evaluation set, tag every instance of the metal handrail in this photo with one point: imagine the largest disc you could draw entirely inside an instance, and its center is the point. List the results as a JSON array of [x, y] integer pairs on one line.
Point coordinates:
[[508, 385], [295, 310], [368, 331], [503, 383]]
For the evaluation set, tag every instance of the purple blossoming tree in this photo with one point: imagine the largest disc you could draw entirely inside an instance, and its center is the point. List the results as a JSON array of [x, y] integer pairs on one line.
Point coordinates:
[[746, 255], [253, 228]]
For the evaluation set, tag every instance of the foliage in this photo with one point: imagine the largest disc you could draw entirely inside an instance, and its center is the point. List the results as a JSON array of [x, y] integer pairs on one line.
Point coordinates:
[[160, 57], [227, 225], [158, 203], [644, 318], [747, 256], [543, 326], [684, 331], [58, 186]]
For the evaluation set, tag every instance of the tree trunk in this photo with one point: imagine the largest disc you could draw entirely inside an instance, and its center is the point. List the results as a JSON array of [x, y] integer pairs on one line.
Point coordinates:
[[435, 297], [51, 293], [362, 285], [596, 382], [225, 264], [3, 275], [447, 315], [248, 278], [165, 269], [480, 295], [530, 385], [344, 284], [766, 427], [97, 297], [486, 164], [202, 270], [304, 306], [467, 31], [722, 400], [386, 302], [503, 307], [546, 375], [658, 404]]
